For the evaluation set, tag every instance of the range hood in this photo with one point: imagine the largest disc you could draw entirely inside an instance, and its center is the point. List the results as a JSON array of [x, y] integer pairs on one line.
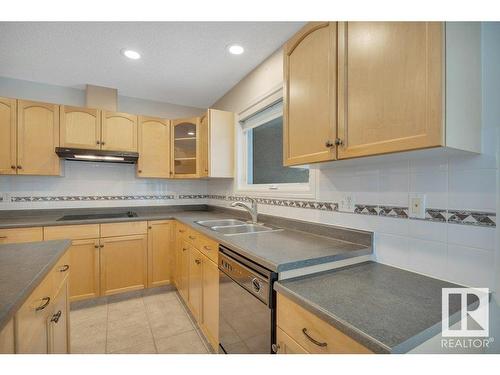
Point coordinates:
[[104, 156]]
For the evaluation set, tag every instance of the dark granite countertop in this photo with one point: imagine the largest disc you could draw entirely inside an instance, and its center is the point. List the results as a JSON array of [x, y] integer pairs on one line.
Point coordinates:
[[278, 251], [22, 267], [387, 309]]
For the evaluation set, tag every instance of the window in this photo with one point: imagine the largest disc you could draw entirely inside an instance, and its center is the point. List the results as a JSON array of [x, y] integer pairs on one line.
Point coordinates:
[[261, 163]]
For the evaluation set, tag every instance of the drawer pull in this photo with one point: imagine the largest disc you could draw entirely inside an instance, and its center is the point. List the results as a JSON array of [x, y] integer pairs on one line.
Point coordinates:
[[182, 230], [192, 237], [184, 249], [197, 261], [207, 248], [315, 342], [3, 237], [56, 317], [43, 305], [64, 268]]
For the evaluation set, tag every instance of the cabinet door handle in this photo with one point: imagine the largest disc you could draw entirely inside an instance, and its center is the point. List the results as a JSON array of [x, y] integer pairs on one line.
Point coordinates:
[[315, 342], [12, 167], [184, 249], [329, 144], [192, 238], [19, 167], [181, 230], [43, 305], [197, 261], [139, 171], [103, 143], [64, 268], [276, 348], [339, 142], [96, 246], [97, 142], [207, 248], [56, 316], [3, 237], [101, 245]]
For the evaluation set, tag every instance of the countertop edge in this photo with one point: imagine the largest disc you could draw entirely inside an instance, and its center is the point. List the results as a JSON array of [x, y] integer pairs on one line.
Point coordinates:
[[346, 328], [26, 292]]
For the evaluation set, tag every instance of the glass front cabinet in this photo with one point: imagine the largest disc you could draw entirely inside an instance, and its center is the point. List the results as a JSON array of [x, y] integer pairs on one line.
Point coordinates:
[[186, 147]]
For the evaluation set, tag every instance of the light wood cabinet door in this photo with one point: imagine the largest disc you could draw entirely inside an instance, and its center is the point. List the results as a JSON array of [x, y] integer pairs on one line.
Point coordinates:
[[17, 235], [210, 308], [195, 283], [8, 122], [390, 87], [80, 127], [37, 138], [154, 148], [287, 345], [183, 278], [119, 131], [7, 338], [58, 323], [204, 146], [186, 147], [310, 101], [123, 264], [84, 275], [159, 253], [31, 328]]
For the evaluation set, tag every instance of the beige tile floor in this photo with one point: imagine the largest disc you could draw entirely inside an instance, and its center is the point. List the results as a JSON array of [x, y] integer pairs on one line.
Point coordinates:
[[150, 321]]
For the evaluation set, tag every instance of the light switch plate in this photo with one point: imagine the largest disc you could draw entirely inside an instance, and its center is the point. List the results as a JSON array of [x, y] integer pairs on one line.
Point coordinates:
[[347, 203], [416, 205]]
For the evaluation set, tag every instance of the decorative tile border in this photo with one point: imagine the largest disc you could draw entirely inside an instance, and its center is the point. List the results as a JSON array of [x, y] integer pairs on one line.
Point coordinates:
[[484, 219], [487, 219], [82, 198]]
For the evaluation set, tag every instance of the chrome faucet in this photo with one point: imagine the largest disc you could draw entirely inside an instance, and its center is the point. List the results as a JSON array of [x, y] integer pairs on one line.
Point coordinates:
[[252, 210]]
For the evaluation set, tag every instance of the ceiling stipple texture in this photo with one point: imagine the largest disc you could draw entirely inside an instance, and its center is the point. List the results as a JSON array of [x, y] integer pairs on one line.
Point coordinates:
[[183, 62]]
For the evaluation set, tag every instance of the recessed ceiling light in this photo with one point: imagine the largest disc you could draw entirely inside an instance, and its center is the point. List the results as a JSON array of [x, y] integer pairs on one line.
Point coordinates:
[[131, 54], [235, 49]]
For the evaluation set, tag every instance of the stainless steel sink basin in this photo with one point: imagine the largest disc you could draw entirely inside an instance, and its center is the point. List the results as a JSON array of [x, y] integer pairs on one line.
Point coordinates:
[[219, 223], [233, 230]]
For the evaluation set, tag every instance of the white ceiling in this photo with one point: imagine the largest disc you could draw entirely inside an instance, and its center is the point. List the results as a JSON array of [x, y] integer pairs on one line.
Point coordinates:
[[182, 62]]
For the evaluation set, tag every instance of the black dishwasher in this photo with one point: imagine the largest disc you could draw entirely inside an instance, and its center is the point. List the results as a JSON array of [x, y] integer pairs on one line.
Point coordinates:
[[247, 314]]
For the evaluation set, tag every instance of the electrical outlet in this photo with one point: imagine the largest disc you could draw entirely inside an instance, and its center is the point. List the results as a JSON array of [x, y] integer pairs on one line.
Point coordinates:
[[416, 205], [347, 203]]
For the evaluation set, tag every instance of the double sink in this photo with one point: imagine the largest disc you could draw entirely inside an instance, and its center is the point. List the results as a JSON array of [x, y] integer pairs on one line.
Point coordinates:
[[234, 227]]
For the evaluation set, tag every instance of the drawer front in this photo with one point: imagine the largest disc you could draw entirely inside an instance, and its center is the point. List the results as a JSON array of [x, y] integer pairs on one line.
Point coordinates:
[[71, 232], [60, 272], [192, 236], [208, 247], [16, 235], [312, 333], [287, 345], [124, 229]]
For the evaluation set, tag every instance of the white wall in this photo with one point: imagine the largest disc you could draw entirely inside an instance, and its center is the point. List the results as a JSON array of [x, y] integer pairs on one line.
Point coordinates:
[[92, 179], [461, 253]]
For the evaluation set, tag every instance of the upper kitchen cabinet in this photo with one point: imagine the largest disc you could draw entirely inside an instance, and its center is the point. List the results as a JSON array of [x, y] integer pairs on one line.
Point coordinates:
[[8, 156], [217, 144], [309, 114], [401, 86], [119, 131], [154, 148], [80, 127], [390, 87], [37, 138], [186, 147]]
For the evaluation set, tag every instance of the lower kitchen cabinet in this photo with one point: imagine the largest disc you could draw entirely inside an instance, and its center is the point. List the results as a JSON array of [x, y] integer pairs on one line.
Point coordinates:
[[58, 323], [210, 308], [286, 345], [159, 252], [7, 338], [123, 264], [195, 283], [42, 322], [183, 270], [84, 276]]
